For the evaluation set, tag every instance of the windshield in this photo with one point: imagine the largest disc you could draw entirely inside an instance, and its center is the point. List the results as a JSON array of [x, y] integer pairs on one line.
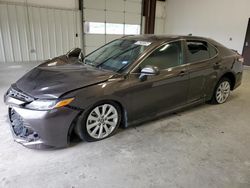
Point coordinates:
[[117, 55]]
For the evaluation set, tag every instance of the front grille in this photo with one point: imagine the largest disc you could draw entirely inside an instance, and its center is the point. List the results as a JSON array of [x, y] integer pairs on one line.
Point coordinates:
[[17, 94], [19, 128]]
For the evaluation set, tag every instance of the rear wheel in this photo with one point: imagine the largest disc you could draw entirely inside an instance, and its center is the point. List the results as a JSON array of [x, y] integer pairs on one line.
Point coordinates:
[[222, 91], [99, 122]]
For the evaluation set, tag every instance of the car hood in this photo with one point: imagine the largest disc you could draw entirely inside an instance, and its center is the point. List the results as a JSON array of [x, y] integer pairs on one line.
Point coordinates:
[[58, 76]]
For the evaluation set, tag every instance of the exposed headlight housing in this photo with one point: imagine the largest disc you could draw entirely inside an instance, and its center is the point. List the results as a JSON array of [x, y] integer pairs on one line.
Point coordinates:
[[48, 104]]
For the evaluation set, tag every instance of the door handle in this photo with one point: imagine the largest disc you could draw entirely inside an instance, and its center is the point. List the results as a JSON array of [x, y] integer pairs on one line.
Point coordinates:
[[182, 73]]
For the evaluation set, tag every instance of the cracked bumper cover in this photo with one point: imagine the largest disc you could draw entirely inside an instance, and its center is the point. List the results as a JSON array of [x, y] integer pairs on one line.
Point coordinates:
[[35, 129]]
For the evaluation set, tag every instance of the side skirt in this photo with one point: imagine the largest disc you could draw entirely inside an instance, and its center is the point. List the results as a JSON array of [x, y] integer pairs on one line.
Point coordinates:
[[161, 114]]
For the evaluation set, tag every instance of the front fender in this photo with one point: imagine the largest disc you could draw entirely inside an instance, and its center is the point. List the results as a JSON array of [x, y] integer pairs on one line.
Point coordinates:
[[109, 90]]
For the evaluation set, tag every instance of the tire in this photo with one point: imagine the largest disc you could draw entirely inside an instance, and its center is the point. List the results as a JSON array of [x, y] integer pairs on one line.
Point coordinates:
[[222, 91], [99, 121]]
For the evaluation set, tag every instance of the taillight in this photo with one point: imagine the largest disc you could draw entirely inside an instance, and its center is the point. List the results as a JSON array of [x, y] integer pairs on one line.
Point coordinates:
[[240, 59]]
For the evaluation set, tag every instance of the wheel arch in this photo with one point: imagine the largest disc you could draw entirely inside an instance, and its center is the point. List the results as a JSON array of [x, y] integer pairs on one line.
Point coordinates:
[[231, 77], [72, 127], [123, 123]]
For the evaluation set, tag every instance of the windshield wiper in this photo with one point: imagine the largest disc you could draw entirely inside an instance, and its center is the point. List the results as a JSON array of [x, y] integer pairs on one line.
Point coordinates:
[[88, 62]]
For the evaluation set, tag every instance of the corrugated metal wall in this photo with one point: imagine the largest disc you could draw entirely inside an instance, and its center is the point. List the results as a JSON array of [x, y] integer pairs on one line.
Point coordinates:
[[31, 33]]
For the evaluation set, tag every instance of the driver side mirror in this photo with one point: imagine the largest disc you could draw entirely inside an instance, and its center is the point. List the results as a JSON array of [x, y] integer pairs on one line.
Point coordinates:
[[75, 53], [148, 71]]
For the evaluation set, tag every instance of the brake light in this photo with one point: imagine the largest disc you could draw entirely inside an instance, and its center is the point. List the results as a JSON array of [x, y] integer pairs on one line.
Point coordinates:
[[241, 59]]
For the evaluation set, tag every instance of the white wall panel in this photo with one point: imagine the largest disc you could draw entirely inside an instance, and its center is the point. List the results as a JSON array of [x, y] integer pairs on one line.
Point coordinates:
[[220, 20], [30, 33], [132, 18], [77, 29], [58, 28], [23, 32], [71, 30], [5, 28], [52, 32], [160, 9], [94, 15], [110, 12], [37, 33], [45, 32], [114, 17], [14, 33], [65, 33], [32, 36], [94, 40], [94, 4], [2, 54], [159, 26], [115, 5], [131, 6], [71, 4], [160, 17], [138, 1]]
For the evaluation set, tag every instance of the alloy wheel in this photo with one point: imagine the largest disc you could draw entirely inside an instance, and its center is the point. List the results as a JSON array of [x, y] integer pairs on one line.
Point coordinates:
[[102, 121], [222, 92]]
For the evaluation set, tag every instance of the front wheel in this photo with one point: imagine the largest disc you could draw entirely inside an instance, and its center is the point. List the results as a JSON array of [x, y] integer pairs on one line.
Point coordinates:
[[222, 91], [99, 122]]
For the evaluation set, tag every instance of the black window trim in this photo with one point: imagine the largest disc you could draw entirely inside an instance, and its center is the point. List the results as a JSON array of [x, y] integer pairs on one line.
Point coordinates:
[[199, 40], [157, 47]]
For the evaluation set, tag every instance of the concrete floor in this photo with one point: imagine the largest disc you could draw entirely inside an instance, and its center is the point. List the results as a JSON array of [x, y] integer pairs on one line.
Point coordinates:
[[207, 146]]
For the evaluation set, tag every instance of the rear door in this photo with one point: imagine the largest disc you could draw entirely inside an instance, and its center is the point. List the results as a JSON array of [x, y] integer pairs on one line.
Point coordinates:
[[201, 56]]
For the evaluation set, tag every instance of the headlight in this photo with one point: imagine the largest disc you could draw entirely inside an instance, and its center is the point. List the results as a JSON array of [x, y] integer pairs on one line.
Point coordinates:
[[48, 104]]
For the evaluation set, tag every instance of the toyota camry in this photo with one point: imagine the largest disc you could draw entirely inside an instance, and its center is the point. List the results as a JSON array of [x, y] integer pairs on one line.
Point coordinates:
[[127, 81]]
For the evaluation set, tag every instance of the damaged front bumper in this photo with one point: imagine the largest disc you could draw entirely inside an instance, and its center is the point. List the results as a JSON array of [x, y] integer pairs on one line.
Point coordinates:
[[39, 128], [22, 133]]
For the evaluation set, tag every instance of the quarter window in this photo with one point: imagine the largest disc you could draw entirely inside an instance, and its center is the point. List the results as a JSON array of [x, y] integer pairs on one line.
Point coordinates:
[[200, 51], [197, 51], [167, 56], [212, 51]]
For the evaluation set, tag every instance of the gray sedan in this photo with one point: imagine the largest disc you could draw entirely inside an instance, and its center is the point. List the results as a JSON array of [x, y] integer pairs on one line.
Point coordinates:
[[126, 81]]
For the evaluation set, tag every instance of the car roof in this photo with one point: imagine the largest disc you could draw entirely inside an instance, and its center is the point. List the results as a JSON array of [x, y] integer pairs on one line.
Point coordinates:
[[162, 38]]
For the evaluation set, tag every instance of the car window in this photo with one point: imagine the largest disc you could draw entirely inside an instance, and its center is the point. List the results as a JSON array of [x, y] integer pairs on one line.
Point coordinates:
[[117, 55], [212, 50], [197, 51], [166, 56]]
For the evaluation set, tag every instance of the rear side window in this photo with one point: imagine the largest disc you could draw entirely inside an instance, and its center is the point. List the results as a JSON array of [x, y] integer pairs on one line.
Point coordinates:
[[197, 51]]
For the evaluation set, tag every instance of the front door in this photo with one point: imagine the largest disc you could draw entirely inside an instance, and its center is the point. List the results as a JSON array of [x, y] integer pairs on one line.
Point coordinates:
[[162, 92], [246, 48]]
